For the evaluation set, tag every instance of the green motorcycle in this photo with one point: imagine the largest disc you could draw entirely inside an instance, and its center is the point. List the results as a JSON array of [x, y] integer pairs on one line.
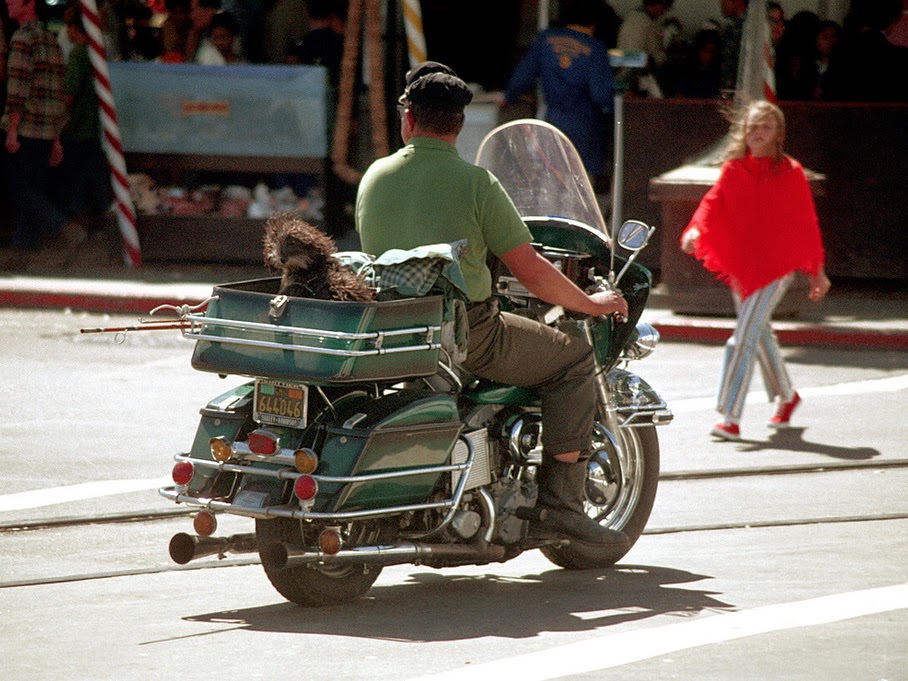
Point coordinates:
[[360, 443]]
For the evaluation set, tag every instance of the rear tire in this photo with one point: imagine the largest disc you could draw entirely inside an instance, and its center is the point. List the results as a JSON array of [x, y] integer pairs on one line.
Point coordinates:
[[311, 586], [620, 492]]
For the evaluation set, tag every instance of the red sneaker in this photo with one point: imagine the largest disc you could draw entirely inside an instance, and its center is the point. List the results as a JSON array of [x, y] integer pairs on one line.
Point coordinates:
[[782, 417], [726, 431]]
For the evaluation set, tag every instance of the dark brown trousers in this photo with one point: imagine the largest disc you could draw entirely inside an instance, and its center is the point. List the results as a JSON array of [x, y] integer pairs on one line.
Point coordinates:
[[510, 349]]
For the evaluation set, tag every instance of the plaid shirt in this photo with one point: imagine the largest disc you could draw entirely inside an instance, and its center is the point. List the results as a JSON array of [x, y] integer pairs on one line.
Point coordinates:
[[35, 85]]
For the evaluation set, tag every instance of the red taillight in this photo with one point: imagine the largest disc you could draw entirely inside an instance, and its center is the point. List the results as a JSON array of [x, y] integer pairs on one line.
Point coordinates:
[[262, 442], [305, 488], [182, 473]]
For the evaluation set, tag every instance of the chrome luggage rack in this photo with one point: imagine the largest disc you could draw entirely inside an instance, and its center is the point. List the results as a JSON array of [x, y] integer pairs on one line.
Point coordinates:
[[431, 333]]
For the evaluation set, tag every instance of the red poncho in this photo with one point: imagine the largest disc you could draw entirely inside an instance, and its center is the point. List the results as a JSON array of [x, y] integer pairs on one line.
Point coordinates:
[[758, 223]]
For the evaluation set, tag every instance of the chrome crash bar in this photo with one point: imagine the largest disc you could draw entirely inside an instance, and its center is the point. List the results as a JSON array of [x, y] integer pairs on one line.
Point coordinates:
[[179, 493]]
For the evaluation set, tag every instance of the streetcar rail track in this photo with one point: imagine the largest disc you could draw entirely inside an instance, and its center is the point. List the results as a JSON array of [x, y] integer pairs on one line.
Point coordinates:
[[136, 572], [172, 513], [674, 476], [793, 469], [242, 562]]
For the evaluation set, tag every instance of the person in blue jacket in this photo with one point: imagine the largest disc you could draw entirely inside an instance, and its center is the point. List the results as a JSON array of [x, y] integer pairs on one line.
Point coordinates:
[[577, 82]]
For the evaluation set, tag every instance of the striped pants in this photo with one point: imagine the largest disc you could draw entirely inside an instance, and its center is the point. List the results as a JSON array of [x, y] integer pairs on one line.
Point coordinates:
[[754, 341]]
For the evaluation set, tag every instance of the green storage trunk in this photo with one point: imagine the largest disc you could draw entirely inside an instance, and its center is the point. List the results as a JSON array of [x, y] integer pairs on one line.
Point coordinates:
[[249, 330]]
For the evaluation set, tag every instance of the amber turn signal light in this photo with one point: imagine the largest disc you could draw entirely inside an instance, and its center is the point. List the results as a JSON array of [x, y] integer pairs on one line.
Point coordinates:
[[330, 542], [305, 460], [220, 449], [205, 524]]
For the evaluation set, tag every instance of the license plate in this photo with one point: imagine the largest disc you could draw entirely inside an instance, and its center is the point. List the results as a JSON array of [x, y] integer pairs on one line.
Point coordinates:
[[280, 403], [248, 499]]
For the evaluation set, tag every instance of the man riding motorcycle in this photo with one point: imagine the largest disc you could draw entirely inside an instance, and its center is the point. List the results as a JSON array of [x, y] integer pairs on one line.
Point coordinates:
[[425, 193]]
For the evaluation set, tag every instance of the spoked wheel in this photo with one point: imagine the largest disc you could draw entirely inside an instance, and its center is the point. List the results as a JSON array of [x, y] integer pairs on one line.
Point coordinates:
[[311, 585], [621, 481]]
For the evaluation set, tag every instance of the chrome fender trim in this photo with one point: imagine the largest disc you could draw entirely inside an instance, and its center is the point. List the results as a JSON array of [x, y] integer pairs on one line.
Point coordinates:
[[635, 401]]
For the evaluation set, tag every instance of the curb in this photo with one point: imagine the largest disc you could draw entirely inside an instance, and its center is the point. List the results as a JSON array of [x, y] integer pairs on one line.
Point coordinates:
[[140, 299], [87, 302], [788, 334], [100, 296]]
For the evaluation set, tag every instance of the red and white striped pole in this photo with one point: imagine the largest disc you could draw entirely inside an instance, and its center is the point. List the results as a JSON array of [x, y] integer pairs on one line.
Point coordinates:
[[113, 148]]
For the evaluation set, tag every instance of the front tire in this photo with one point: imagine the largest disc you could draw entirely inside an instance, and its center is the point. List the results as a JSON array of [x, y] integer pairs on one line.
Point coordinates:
[[311, 586], [621, 488]]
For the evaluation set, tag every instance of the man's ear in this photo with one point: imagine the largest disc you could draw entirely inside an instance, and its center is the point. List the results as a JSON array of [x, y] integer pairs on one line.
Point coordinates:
[[409, 124]]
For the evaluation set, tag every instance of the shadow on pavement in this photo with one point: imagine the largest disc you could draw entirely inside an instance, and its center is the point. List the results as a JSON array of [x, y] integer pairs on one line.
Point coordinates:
[[433, 606], [792, 440]]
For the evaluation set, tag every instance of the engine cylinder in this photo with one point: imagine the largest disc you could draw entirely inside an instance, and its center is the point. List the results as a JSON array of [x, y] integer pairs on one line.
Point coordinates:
[[525, 439]]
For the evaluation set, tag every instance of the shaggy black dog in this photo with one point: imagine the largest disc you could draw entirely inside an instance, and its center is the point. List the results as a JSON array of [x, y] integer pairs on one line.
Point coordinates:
[[302, 254]]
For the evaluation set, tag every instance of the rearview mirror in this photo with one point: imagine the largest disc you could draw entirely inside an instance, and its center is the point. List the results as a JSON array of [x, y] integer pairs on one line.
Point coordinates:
[[634, 235]]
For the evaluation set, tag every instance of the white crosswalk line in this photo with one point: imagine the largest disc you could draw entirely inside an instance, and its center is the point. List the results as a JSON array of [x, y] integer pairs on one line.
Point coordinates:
[[86, 490], [615, 650], [874, 385]]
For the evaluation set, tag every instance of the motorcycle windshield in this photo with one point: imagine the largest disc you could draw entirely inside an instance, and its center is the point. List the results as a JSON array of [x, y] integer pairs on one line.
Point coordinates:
[[541, 171]]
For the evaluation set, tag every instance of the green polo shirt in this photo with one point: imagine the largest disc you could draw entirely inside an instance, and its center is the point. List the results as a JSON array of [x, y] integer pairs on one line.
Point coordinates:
[[424, 194]]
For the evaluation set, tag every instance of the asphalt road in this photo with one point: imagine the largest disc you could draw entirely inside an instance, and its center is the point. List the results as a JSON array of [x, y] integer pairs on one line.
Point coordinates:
[[780, 557]]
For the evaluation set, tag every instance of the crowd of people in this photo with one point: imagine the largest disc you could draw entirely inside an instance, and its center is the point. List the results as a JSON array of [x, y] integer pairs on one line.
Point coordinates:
[[212, 32], [815, 59], [219, 32], [863, 59]]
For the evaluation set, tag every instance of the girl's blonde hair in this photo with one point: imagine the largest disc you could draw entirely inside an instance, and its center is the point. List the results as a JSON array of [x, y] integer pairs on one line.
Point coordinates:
[[760, 110]]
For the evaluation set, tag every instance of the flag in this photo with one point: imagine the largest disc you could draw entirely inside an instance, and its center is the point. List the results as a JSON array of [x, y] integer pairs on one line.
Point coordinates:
[[756, 63]]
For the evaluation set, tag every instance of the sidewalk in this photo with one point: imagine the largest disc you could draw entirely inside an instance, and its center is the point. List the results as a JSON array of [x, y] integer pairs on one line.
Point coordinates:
[[854, 315]]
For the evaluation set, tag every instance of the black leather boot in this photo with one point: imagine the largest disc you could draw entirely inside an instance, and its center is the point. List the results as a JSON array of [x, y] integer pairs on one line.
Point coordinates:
[[559, 507]]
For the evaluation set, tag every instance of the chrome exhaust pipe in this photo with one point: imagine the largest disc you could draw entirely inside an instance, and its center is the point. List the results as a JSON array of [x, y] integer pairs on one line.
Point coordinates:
[[280, 556], [186, 547]]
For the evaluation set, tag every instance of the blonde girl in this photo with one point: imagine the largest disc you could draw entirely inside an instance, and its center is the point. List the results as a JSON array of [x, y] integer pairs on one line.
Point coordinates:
[[754, 229]]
